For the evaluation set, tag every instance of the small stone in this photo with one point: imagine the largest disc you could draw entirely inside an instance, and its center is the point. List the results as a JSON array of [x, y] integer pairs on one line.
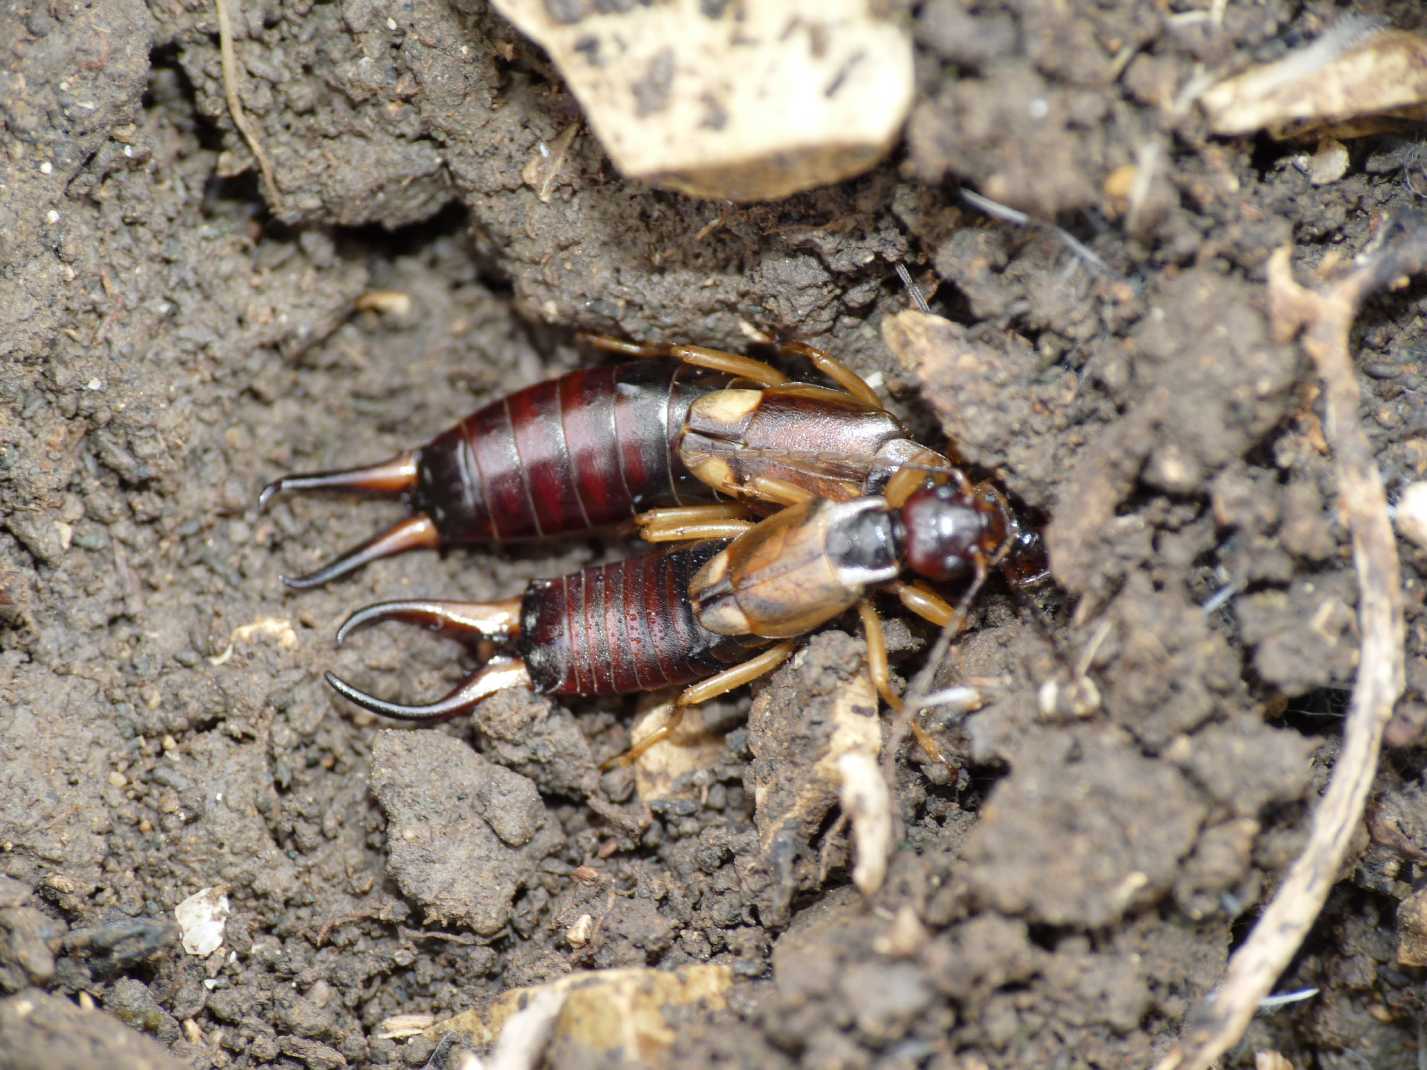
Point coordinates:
[[579, 933], [1329, 163], [201, 918], [1411, 514]]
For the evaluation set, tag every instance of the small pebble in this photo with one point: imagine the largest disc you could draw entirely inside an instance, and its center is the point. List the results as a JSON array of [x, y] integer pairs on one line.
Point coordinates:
[[1412, 514]]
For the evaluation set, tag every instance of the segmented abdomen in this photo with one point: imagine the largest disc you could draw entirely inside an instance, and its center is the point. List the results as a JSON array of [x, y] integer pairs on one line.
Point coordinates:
[[586, 450], [623, 627]]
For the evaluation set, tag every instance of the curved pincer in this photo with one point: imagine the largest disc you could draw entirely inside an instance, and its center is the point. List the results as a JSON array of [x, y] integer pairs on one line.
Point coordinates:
[[390, 478], [459, 620], [487, 621], [498, 674]]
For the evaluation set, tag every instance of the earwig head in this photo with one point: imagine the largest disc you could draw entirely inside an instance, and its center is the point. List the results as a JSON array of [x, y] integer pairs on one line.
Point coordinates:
[[948, 533]]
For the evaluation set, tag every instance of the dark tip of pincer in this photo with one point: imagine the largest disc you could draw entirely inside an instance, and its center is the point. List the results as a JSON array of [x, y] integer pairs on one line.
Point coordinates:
[[362, 618], [498, 675], [436, 711], [304, 583], [268, 493], [414, 533]]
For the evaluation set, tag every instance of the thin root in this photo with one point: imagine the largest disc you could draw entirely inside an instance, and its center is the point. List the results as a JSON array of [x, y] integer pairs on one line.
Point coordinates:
[[1324, 319], [235, 106]]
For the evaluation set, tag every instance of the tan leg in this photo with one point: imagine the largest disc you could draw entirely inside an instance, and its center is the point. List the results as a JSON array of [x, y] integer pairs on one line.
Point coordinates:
[[680, 523], [778, 491], [877, 654], [692, 522], [728, 680], [925, 603], [835, 370], [732, 678], [756, 371], [734, 364], [746, 367], [683, 514], [637, 749], [929, 746], [882, 678]]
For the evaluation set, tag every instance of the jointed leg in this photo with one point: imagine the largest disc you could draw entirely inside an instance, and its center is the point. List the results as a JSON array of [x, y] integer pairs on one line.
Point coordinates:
[[881, 677], [925, 603], [728, 680], [778, 491], [877, 654], [746, 367], [756, 371], [693, 522], [636, 750], [735, 677], [835, 370]]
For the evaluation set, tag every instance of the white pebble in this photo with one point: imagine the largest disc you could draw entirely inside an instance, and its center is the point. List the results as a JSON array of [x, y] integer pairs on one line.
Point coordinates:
[[1412, 514], [201, 918]]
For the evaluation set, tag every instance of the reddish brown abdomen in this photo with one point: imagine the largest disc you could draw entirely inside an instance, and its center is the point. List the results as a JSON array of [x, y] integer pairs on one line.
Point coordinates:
[[587, 450], [624, 627]]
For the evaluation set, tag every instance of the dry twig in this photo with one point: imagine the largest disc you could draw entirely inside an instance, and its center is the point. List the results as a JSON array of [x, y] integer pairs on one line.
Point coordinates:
[[1324, 319], [235, 106]]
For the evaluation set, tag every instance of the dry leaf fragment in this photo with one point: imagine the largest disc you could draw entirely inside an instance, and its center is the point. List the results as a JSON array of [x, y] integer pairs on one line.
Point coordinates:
[[739, 101], [603, 1011], [1357, 79]]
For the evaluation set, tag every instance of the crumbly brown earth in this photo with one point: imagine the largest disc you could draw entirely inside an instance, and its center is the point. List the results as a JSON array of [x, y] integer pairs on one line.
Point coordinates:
[[169, 340]]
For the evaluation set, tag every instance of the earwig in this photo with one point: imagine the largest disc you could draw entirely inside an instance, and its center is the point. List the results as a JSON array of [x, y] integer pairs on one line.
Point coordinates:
[[597, 447], [619, 628], [668, 618]]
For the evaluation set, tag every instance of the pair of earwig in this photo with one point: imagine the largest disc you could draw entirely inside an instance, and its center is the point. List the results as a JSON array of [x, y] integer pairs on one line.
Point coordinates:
[[859, 505]]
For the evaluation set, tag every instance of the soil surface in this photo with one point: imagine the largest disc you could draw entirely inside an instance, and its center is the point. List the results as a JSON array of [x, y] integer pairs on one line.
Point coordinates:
[[1156, 725]]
